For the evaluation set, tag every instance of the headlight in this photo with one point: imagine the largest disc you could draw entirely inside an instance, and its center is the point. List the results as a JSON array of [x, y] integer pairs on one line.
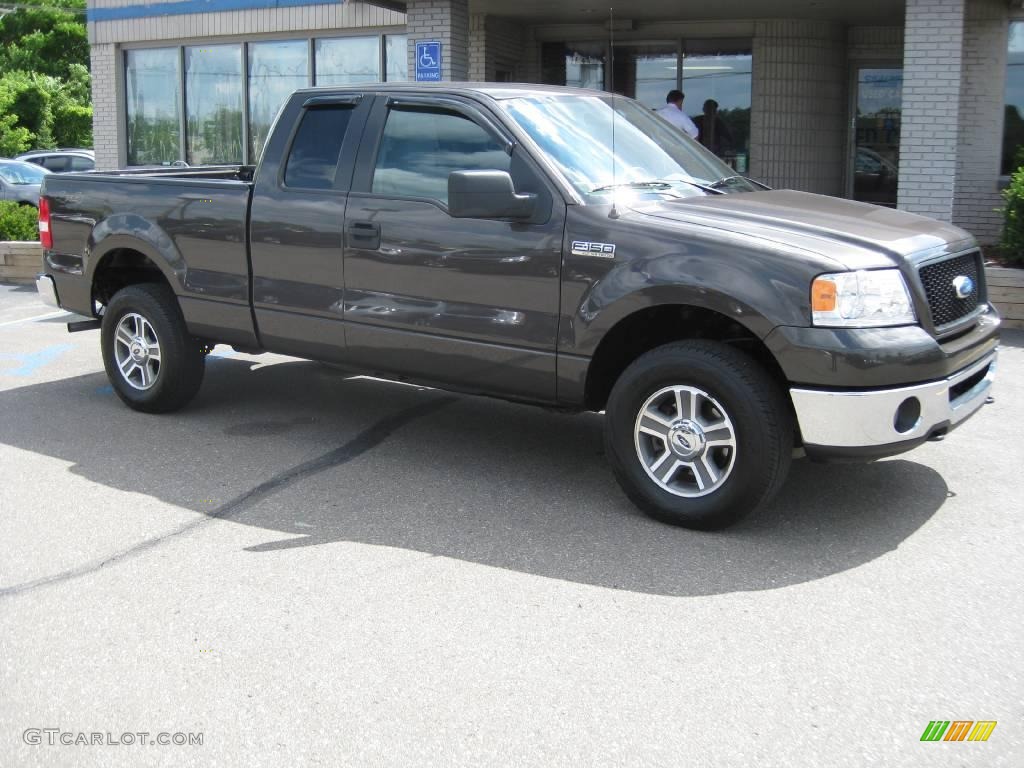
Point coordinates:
[[864, 299]]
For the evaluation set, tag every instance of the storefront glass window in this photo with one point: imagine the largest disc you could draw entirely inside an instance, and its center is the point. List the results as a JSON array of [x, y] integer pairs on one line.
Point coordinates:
[[396, 54], [584, 65], [348, 60], [152, 95], [1013, 126], [721, 77], [213, 103], [275, 70]]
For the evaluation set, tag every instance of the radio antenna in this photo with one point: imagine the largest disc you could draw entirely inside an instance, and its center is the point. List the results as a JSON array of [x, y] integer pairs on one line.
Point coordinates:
[[614, 213]]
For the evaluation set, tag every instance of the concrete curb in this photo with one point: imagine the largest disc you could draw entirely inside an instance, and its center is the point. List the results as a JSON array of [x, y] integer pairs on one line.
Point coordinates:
[[20, 261], [1006, 292]]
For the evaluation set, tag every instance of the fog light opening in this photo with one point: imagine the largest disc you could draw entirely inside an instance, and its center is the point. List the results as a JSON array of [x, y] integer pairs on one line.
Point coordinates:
[[908, 415]]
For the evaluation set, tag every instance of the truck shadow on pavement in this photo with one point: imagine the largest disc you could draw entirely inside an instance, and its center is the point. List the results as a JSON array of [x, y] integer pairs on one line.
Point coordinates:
[[316, 457]]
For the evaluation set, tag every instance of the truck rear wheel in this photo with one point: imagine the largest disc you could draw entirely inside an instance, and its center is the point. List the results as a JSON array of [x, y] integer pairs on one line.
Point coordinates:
[[152, 362], [698, 434]]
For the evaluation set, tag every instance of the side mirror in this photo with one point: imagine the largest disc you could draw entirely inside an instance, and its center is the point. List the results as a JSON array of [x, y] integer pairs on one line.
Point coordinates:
[[487, 195]]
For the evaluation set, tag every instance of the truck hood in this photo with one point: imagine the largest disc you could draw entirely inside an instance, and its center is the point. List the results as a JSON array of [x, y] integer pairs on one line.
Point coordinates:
[[857, 235]]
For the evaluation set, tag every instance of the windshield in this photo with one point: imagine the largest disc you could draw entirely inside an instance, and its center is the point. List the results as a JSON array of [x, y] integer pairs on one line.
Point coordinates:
[[575, 132], [21, 173]]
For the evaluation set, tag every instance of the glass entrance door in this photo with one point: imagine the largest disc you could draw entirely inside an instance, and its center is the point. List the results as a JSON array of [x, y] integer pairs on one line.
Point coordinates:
[[876, 139]]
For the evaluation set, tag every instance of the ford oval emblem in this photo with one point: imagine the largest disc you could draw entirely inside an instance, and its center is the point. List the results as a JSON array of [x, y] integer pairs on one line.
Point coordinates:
[[963, 285]]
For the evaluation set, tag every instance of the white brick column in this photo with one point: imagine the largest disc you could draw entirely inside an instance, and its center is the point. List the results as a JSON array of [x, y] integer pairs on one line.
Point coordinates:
[[107, 130], [977, 199], [932, 61], [495, 44], [446, 21], [797, 124]]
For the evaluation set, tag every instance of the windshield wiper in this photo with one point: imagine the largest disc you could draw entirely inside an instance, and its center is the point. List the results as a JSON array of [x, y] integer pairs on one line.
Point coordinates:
[[658, 184], [729, 179]]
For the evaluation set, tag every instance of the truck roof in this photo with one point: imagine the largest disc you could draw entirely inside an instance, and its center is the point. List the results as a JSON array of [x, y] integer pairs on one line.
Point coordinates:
[[492, 90]]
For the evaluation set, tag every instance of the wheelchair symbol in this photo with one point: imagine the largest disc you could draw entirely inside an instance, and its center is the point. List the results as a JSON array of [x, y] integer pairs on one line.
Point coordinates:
[[426, 60]]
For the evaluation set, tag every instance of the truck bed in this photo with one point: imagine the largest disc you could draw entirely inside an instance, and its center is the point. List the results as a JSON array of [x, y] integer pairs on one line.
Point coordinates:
[[192, 221]]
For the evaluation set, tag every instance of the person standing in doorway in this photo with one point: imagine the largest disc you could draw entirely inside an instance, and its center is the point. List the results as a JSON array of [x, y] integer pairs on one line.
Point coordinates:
[[673, 112], [713, 133]]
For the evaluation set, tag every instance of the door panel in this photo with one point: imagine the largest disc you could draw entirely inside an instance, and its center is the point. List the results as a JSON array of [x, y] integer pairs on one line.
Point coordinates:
[[296, 228], [470, 303]]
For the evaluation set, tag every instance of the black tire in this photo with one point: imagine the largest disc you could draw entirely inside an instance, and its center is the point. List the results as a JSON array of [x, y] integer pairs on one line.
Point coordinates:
[[749, 401], [179, 372]]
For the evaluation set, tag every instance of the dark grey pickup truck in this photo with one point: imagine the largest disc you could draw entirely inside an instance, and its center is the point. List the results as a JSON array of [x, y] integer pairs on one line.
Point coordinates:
[[547, 245]]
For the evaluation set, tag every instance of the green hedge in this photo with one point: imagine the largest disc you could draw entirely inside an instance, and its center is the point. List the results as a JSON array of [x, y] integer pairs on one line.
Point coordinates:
[[18, 222], [1012, 246]]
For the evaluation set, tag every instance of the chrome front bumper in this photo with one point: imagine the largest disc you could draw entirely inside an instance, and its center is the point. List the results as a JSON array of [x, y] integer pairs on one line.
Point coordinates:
[[884, 418], [47, 290]]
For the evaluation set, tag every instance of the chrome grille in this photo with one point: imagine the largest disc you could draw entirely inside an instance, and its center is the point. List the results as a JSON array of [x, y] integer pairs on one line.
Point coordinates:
[[937, 279]]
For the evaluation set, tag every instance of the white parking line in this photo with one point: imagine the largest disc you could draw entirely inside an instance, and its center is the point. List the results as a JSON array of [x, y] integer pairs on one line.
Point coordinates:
[[34, 317]]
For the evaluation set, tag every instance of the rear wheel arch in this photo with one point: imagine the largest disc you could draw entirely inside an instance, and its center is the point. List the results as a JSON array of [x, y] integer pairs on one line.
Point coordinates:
[[122, 265]]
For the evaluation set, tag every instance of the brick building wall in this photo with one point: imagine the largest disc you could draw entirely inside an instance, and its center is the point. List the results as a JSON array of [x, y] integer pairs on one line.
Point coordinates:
[[799, 105], [932, 58], [874, 45], [979, 145], [107, 130], [446, 21]]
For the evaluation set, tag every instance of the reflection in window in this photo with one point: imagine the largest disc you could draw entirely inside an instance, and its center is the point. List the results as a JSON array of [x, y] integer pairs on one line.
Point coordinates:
[[653, 76], [584, 65], [348, 60], [720, 77], [575, 133], [152, 94], [313, 158], [1013, 127], [421, 147], [275, 70], [213, 103], [396, 53]]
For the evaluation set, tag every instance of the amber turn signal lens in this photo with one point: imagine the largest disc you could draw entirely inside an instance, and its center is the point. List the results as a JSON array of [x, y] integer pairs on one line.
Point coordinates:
[[823, 295]]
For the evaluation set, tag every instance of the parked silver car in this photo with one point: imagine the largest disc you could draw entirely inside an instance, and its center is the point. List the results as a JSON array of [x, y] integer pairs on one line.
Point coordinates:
[[20, 181], [61, 160]]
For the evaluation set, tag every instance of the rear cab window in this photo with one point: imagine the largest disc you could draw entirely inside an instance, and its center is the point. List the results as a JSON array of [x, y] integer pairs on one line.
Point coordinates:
[[312, 161]]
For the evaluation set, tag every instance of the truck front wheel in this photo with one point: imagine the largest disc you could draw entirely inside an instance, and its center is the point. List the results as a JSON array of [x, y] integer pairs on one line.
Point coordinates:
[[698, 434], [152, 362]]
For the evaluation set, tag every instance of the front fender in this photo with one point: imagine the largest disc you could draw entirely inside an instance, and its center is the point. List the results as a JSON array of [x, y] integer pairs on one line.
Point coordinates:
[[759, 305]]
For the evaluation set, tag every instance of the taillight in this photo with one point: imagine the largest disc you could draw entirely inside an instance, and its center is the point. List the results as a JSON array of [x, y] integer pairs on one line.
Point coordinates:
[[45, 236]]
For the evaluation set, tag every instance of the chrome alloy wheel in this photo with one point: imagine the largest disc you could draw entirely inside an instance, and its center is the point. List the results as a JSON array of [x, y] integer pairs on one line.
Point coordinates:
[[685, 441], [137, 351]]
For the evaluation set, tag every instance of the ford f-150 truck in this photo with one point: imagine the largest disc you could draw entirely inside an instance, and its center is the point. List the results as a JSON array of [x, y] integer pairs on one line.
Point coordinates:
[[547, 245]]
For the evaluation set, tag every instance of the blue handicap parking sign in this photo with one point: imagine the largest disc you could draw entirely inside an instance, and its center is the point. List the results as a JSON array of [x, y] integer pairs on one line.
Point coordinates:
[[428, 61]]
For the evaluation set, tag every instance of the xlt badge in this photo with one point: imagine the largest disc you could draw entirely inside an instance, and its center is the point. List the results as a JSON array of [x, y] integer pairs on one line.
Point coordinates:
[[586, 248]]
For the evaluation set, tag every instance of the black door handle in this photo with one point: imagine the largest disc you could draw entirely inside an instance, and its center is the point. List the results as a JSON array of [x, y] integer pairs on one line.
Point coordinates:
[[364, 234]]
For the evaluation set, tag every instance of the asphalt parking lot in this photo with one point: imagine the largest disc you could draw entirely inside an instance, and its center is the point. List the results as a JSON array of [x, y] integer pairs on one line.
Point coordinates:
[[312, 569]]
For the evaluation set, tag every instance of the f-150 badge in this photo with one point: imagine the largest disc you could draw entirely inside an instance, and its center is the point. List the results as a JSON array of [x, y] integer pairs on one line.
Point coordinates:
[[585, 248]]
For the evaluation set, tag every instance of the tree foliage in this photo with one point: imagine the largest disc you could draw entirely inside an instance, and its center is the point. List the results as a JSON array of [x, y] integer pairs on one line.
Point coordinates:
[[45, 85]]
